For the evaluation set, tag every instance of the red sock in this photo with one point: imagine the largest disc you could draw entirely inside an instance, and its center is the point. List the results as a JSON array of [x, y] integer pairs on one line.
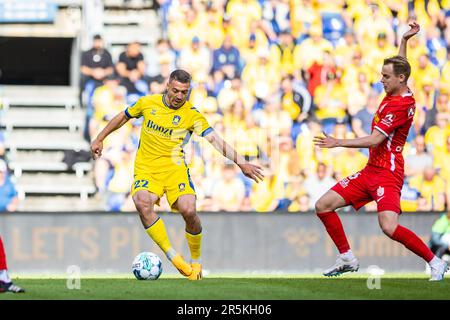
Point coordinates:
[[411, 241], [335, 230], [2, 256]]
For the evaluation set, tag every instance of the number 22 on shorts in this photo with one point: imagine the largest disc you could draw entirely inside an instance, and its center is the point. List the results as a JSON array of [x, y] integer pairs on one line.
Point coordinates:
[[140, 184]]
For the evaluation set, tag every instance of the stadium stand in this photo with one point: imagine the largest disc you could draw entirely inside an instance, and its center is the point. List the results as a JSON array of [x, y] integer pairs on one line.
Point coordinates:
[[304, 67]]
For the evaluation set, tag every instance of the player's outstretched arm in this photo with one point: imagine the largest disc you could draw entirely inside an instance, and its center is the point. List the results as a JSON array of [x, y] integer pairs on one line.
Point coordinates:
[[115, 123], [328, 141], [414, 29], [248, 169]]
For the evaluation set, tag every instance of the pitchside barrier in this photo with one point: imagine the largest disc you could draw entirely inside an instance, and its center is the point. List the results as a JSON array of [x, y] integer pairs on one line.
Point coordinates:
[[232, 242]]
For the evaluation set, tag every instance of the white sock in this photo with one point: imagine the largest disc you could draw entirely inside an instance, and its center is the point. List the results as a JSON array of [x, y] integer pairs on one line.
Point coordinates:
[[171, 253], [4, 276], [435, 261], [347, 255]]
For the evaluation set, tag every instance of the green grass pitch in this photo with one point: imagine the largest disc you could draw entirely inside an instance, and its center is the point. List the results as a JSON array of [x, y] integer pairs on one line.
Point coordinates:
[[235, 287]]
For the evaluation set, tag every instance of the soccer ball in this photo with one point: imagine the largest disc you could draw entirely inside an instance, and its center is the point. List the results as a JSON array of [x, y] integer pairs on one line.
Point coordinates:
[[147, 266]]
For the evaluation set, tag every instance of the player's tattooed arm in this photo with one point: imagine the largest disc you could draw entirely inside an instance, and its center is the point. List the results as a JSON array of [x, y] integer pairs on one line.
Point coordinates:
[[250, 170], [328, 141], [115, 123]]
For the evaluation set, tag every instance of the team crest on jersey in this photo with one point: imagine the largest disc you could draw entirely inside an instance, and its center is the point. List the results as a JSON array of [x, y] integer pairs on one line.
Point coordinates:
[[153, 112], [181, 186], [380, 191], [176, 120], [344, 182]]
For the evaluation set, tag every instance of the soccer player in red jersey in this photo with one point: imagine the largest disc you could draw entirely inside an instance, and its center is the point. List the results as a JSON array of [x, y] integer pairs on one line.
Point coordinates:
[[6, 284], [382, 178]]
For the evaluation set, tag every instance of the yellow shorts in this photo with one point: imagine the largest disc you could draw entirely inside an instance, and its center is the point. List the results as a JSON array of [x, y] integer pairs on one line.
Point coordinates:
[[174, 183]]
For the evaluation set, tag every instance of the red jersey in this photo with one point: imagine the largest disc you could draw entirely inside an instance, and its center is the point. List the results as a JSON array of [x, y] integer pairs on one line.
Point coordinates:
[[393, 119]]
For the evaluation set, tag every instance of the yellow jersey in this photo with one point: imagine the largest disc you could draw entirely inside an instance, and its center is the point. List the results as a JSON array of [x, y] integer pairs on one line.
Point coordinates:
[[164, 133]]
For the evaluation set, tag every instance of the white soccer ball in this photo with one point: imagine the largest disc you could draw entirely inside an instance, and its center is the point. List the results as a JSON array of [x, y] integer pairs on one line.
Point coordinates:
[[147, 266]]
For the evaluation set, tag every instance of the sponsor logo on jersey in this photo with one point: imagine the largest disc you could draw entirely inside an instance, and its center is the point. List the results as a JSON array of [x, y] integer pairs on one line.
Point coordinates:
[[153, 112], [181, 186], [160, 130], [410, 112]]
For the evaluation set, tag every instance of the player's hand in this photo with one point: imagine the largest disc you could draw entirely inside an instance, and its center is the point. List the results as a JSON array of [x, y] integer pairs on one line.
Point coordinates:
[[96, 149], [415, 28], [326, 142], [252, 171]]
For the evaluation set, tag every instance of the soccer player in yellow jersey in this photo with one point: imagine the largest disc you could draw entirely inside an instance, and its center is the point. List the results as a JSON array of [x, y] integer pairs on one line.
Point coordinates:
[[169, 121]]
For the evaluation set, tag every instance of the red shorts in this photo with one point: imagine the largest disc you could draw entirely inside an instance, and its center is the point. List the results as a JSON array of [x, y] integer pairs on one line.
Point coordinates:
[[371, 183]]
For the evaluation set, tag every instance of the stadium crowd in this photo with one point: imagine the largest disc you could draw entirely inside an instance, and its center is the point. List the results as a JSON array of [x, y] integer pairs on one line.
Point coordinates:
[[268, 76]]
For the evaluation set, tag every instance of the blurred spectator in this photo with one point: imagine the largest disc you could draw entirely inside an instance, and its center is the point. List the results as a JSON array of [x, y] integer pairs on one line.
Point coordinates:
[[8, 193], [435, 137], [331, 101], [266, 195], [195, 59], [431, 188], [362, 121], [347, 162], [233, 90], [243, 13], [317, 184], [282, 53], [228, 193], [158, 83], [425, 73], [311, 50], [262, 78], [132, 71], [121, 180], [2, 145], [227, 59], [318, 72], [440, 236], [420, 159], [445, 72], [296, 101], [303, 15], [276, 12], [96, 65], [164, 55], [272, 118], [107, 101], [382, 49]]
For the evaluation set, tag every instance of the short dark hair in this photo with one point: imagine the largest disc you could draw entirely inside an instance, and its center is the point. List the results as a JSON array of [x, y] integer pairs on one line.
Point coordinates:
[[97, 37], [180, 76], [400, 65]]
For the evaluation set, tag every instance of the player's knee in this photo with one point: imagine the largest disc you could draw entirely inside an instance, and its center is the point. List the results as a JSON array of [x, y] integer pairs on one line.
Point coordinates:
[[322, 205], [188, 212], [142, 204], [388, 228]]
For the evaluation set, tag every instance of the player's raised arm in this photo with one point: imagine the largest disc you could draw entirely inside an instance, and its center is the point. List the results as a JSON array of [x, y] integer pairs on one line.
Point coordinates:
[[249, 170], [115, 123], [414, 29], [328, 141]]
